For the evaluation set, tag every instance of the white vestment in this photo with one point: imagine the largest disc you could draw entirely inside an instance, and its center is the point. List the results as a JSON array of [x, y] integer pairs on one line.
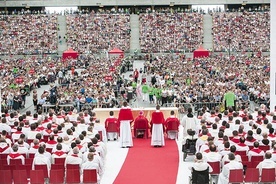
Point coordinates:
[[125, 134], [157, 137]]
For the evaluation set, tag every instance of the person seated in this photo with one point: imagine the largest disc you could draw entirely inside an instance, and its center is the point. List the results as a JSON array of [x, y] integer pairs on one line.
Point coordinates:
[[267, 163], [226, 149], [212, 155], [242, 146], [232, 165], [58, 153], [41, 159], [4, 146], [199, 166], [265, 141], [249, 140], [141, 122], [256, 151], [91, 164], [202, 139], [226, 157], [112, 134], [170, 121], [15, 155], [236, 137], [74, 158]]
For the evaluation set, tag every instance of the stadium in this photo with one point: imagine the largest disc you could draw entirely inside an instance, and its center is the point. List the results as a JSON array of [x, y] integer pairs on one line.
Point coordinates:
[[137, 92]]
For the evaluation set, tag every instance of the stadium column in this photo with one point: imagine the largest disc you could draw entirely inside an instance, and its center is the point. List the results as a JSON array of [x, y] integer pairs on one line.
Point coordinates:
[[272, 55]]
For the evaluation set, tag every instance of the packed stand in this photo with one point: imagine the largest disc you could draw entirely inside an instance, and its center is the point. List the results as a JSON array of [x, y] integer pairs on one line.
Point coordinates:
[[241, 31], [231, 140], [28, 34], [175, 78], [87, 88], [56, 141], [94, 32], [170, 32]]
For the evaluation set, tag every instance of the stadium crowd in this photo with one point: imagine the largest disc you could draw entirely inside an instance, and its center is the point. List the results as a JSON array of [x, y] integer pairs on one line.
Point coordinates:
[[208, 79], [241, 31], [170, 32], [28, 34], [97, 31]]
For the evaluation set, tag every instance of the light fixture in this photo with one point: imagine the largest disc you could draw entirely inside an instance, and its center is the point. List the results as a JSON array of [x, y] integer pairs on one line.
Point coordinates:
[[171, 3]]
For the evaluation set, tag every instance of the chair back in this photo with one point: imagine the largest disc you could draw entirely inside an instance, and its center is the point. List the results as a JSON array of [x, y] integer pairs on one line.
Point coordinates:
[[29, 161], [241, 153], [31, 155], [44, 168], [251, 175], [5, 177], [172, 125], [16, 162], [112, 127], [49, 150], [56, 176], [216, 168], [72, 176], [268, 175], [257, 158], [20, 177], [264, 147], [236, 176], [200, 177], [90, 176], [141, 124], [4, 156], [101, 135], [59, 160], [36, 176], [72, 166], [57, 167]]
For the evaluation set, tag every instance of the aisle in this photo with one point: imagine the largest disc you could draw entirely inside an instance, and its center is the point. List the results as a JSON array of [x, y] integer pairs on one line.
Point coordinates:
[[149, 165]]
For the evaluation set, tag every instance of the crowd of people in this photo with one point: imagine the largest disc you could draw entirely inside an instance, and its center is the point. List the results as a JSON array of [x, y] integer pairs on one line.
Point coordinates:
[[241, 31], [170, 32], [28, 34], [232, 139], [93, 86], [45, 138], [95, 31], [181, 80]]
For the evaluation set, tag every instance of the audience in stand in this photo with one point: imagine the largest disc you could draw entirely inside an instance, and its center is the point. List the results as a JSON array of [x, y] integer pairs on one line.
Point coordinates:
[[28, 34], [241, 31], [94, 32], [170, 32]]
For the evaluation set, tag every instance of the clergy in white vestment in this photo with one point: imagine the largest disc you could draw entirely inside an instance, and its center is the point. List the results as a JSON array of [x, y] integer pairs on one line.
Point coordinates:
[[267, 163], [89, 165], [188, 122], [157, 123], [125, 118], [232, 165]]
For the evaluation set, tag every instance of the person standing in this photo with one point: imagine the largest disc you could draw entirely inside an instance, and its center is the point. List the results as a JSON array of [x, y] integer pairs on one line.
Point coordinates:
[[157, 122], [125, 118], [189, 122], [145, 90], [136, 75], [229, 99]]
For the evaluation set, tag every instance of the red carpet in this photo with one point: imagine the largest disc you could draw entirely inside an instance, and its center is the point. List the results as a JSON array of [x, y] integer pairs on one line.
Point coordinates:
[[149, 165]]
